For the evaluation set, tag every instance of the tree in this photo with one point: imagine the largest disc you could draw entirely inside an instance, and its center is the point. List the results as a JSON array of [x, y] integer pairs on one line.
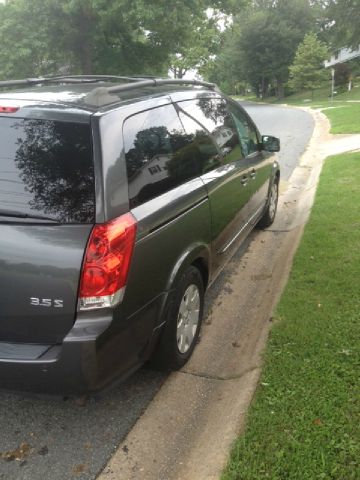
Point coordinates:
[[308, 71], [101, 36], [262, 43], [226, 69], [201, 42], [344, 16], [43, 36], [24, 50]]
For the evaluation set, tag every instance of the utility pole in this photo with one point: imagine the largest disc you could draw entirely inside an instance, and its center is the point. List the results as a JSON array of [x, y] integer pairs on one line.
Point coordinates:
[[332, 83]]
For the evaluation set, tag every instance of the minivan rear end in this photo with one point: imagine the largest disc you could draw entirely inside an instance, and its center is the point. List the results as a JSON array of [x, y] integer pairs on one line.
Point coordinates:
[[65, 257], [47, 211]]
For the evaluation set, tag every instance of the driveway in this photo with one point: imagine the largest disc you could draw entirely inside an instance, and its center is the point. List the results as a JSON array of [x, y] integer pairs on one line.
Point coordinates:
[[62, 438]]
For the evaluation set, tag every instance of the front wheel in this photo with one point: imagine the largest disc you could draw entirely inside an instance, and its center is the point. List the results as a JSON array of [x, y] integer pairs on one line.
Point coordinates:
[[269, 214], [183, 323]]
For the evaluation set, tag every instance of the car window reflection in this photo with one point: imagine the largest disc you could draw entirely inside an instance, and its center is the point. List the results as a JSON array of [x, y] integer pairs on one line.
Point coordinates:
[[160, 154], [46, 168], [213, 114]]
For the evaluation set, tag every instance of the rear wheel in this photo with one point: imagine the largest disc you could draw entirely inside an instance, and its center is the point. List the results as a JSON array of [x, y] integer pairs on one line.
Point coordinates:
[[269, 215], [183, 323]]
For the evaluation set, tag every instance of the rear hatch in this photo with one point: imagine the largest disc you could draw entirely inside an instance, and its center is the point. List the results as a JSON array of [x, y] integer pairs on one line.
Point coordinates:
[[47, 209]]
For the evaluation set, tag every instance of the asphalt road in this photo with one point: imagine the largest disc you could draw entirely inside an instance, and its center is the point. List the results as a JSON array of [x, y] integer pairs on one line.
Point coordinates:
[[59, 438], [293, 126]]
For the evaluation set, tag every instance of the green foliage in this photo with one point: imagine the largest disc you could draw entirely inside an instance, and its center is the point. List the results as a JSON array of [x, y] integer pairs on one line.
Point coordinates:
[[105, 36], [344, 118], [24, 50], [226, 69], [83, 36], [344, 16], [201, 42], [307, 71], [261, 44]]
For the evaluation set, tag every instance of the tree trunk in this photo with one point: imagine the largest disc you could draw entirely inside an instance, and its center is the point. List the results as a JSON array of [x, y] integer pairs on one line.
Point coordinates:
[[86, 59], [280, 90], [262, 87], [85, 22]]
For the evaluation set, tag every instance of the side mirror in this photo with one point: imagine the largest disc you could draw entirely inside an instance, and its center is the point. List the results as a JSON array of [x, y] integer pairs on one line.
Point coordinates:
[[270, 144]]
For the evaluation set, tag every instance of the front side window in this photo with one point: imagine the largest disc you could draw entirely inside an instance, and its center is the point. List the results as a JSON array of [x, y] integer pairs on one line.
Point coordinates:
[[159, 154], [202, 145], [46, 169], [214, 115], [246, 131]]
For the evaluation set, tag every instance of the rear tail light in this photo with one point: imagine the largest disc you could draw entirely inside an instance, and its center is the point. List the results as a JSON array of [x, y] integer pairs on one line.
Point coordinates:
[[4, 109], [106, 263]]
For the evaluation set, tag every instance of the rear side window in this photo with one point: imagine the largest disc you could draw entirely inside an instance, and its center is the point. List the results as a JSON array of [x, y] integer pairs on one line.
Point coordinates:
[[159, 154], [46, 169]]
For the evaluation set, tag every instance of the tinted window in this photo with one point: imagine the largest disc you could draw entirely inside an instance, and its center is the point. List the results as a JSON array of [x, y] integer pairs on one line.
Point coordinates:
[[246, 131], [202, 146], [159, 154], [46, 168], [214, 115]]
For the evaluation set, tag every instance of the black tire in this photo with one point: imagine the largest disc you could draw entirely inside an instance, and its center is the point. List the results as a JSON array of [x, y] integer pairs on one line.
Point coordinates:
[[268, 216], [167, 355]]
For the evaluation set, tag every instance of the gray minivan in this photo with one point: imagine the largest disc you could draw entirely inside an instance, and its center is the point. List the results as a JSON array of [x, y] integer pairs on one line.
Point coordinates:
[[121, 199]]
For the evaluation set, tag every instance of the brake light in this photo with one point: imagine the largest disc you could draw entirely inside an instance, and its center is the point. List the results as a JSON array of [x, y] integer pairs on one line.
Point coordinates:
[[106, 263], [8, 109]]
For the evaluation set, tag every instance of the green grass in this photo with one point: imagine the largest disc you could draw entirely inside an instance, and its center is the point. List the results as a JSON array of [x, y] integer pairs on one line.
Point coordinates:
[[304, 421], [321, 95], [318, 97], [344, 118]]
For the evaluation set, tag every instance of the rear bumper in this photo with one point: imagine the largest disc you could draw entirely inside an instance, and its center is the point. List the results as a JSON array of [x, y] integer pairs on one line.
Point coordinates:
[[63, 368], [95, 352]]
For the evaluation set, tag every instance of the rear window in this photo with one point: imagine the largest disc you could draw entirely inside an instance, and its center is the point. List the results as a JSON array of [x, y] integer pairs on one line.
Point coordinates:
[[46, 169]]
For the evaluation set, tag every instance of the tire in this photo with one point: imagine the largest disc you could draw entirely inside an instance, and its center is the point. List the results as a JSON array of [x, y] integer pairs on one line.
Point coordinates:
[[183, 322], [269, 214]]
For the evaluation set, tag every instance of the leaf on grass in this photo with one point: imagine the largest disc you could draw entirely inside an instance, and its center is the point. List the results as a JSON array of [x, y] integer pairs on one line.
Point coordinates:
[[317, 422], [78, 469]]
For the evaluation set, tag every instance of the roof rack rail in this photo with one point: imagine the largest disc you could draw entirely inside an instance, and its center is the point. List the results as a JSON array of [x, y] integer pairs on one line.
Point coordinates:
[[67, 79], [132, 82], [101, 96], [153, 82], [102, 77]]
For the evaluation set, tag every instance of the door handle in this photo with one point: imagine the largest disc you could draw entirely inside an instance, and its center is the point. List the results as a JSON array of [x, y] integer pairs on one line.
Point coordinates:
[[253, 174]]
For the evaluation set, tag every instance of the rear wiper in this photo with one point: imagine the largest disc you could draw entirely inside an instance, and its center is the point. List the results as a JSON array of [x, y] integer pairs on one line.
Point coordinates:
[[14, 214]]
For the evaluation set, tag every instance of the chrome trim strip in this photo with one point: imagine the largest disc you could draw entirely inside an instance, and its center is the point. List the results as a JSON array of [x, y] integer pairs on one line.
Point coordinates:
[[228, 245]]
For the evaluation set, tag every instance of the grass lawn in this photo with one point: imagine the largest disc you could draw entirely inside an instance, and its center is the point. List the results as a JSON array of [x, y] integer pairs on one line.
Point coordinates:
[[344, 118], [304, 421]]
